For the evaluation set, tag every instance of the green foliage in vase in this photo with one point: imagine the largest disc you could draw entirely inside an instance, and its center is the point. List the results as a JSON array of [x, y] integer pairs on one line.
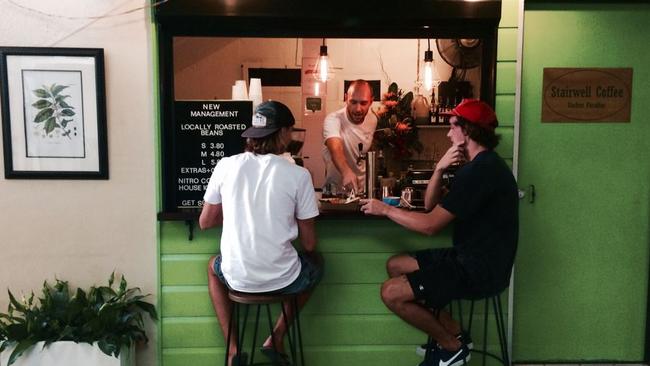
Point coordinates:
[[53, 111], [111, 317]]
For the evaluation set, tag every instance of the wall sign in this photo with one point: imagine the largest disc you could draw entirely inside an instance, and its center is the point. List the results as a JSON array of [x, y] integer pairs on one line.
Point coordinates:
[[587, 95], [204, 133]]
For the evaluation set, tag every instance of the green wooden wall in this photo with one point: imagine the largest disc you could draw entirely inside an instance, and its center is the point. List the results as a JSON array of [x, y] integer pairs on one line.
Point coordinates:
[[345, 322], [582, 268]]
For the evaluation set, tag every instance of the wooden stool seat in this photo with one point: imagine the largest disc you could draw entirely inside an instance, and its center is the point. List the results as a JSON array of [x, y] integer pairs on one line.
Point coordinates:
[[257, 299]]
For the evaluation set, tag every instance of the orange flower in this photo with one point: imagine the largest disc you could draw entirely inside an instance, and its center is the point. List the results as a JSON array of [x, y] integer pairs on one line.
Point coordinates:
[[389, 95], [381, 111], [402, 127]]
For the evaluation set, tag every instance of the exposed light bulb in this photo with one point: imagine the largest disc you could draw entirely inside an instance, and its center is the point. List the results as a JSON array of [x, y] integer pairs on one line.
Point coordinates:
[[323, 71], [323, 65], [429, 74]]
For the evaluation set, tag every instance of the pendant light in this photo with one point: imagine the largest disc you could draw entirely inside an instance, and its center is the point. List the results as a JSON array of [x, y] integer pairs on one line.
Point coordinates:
[[323, 71], [430, 76]]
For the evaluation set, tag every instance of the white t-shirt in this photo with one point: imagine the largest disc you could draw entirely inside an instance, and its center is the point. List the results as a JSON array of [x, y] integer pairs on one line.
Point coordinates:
[[337, 124], [261, 196]]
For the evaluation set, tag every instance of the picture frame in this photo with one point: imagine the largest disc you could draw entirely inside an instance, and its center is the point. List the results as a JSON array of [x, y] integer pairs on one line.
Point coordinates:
[[53, 113]]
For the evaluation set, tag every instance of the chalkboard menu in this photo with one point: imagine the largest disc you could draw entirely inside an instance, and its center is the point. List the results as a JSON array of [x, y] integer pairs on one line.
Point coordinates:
[[204, 132]]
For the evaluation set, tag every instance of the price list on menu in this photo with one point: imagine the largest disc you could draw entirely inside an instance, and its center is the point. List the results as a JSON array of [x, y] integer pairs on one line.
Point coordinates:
[[205, 132]]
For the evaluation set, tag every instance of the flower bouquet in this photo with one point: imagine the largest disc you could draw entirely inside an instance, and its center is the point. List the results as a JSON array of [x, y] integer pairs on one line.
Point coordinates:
[[395, 132]]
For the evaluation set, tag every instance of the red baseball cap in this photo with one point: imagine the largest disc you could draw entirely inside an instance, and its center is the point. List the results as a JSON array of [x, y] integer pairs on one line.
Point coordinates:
[[476, 112]]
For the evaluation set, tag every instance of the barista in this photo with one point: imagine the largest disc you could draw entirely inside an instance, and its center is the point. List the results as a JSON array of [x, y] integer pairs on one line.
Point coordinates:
[[347, 134]]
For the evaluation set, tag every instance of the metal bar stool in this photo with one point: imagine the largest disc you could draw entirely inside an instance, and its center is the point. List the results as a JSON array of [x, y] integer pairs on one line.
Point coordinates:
[[500, 323], [245, 300], [501, 328]]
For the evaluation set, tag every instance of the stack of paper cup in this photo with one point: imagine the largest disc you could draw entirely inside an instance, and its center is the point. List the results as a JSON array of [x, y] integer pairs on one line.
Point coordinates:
[[255, 93], [239, 90]]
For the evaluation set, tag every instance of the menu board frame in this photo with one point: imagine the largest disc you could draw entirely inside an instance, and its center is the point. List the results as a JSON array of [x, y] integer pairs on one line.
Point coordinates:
[[199, 134]]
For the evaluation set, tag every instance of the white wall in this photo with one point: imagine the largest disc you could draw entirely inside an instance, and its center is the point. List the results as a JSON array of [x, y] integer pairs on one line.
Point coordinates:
[[81, 231]]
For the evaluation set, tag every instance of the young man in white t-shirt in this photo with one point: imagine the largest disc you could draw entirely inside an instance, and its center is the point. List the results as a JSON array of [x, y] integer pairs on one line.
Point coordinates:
[[343, 132], [263, 202]]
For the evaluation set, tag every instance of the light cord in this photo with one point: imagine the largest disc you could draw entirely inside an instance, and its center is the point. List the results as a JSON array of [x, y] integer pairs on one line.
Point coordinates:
[[158, 3]]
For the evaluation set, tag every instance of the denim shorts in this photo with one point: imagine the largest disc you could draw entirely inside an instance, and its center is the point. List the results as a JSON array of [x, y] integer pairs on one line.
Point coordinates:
[[311, 272]]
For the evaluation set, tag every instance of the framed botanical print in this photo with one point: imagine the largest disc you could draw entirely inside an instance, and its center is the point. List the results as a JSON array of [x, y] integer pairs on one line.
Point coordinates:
[[53, 113]]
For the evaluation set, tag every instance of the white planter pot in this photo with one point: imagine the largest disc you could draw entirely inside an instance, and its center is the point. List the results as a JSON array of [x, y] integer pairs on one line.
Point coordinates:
[[69, 354]]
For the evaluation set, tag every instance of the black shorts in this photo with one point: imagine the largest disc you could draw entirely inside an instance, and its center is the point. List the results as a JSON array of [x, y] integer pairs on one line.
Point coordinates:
[[440, 279]]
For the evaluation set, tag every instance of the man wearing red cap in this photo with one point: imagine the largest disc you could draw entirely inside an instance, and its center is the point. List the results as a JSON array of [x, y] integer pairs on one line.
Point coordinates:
[[482, 205]]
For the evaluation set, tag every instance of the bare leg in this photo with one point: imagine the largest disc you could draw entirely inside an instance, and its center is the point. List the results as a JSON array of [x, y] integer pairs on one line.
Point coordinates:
[[399, 298], [401, 264], [280, 329], [448, 322], [222, 307]]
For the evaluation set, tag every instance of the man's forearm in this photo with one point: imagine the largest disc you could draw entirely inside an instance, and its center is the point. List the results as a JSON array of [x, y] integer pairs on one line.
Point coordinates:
[[428, 223], [335, 148], [416, 221], [434, 190]]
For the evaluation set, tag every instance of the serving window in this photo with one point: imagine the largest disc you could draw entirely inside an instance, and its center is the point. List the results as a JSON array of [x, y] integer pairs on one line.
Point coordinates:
[[201, 58]]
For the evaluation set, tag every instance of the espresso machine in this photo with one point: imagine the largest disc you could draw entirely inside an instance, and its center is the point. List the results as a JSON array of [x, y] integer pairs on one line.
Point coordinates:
[[418, 180]]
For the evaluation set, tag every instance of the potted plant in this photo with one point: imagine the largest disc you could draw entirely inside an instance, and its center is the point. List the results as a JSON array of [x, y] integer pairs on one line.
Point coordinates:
[[103, 317]]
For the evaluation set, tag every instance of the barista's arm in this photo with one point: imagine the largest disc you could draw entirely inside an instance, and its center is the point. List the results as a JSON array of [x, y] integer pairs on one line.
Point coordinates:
[[335, 147]]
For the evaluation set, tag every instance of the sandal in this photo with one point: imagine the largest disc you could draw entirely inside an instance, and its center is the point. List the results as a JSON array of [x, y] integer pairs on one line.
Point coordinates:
[[277, 358]]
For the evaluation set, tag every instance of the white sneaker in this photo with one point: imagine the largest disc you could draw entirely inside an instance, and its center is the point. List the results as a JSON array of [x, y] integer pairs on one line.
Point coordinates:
[[463, 337]]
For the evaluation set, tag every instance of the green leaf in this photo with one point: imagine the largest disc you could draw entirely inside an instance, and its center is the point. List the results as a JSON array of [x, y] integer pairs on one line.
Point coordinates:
[[149, 308], [51, 120], [111, 279], [65, 122], [60, 98], [44, 115], [406, 101], [42, 103], [50, 125], [122, 285], [41, 93], [67, 112], [22, 346], [17, 331], [17, 305], [106, 292], [4, 344], [65, 105], [392, 88], [56, 89], [109, 348]]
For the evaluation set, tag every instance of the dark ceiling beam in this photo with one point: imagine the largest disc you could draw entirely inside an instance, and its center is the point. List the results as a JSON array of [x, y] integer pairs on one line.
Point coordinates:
[[333, 18]]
